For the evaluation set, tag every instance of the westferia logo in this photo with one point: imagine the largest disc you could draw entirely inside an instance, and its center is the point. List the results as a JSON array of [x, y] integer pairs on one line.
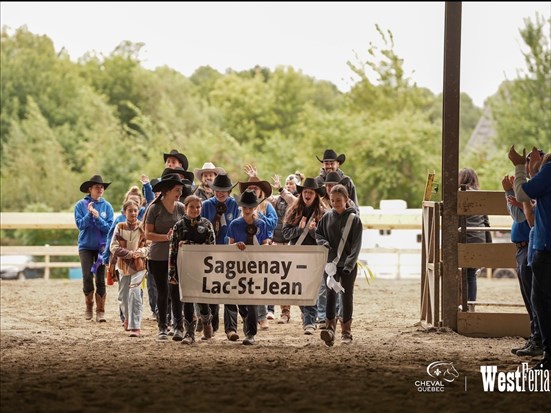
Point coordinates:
[[521, 380]]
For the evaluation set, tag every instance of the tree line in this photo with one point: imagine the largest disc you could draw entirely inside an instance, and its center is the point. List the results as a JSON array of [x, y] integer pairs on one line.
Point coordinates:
[[64, 121]]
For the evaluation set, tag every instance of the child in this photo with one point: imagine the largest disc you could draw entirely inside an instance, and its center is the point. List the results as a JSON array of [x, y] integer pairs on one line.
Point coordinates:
[[248, 230], [340, 230], [130, 248], [191, 229]]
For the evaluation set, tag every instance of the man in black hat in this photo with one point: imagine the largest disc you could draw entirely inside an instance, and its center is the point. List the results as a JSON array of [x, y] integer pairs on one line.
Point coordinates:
[[174, 159], [331, 163]]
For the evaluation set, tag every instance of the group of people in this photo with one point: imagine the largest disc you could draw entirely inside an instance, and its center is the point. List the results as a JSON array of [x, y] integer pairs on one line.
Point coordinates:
[[143, 242]]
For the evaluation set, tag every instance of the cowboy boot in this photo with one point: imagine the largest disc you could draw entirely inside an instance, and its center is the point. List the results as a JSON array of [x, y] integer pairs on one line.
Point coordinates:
[[189, 337], [89, 298], [328, 335], [285, 314], [346, 332], [100, 308], [207, 327]]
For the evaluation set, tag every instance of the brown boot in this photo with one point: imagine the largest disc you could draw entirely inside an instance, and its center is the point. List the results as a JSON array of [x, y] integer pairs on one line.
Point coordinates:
[[328, 335], [346, 332], [285, 314], [100, 308], [207, 327], [89, 299]]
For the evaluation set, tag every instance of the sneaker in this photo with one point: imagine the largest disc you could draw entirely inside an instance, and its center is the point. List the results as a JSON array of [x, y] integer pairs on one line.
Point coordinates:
[[270, 316], [249, 340], [163, 335], [178, 335], [328, 336], [284, 319], [525, 346], [309, 330], [263, 324], [135, 333], [533, 349], [346, 338], [232, 336], [170, 331]]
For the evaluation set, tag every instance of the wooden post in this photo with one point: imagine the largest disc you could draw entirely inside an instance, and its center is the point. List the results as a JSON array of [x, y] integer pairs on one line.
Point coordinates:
[[47, 264], [450, 161]]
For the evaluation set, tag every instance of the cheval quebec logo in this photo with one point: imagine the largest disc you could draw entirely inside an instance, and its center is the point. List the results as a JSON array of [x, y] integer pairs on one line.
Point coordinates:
[[442, 372], [523, 379]]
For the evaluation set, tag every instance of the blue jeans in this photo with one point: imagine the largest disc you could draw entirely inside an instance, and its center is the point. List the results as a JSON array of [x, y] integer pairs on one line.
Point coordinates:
[[308, 315], [321, 302], [130, 298], [541, 295]]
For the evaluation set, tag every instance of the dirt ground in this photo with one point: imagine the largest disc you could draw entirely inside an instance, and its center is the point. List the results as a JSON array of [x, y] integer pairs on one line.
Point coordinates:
[[52, 360]]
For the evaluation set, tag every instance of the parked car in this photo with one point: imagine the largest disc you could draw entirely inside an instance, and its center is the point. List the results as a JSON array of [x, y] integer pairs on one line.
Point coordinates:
[[17, 267], [497, 272]]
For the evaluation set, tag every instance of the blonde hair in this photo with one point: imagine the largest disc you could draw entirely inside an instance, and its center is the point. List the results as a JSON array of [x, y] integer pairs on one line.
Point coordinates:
[[135, 191]]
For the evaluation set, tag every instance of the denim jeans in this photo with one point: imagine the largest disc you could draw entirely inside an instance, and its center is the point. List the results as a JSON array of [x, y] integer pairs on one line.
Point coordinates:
[[262, 311], [524, 272], [249, 314], [541, 295], [130, 298], [321, 302], [308, 315], [87, 259]]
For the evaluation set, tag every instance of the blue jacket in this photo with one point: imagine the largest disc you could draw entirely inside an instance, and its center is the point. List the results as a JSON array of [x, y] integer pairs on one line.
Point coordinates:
[[93, 232], [208, 211]]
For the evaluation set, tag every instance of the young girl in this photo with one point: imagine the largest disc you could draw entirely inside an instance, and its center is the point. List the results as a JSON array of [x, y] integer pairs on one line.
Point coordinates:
[[191, 229], [299, 228], [130, 248], [93, 217], [340, 230], [248, 230]]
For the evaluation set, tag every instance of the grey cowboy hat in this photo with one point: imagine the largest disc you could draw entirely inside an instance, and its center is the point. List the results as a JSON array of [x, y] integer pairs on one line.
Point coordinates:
[[180, 156], [207, 167], [96, 179], [331, 155]]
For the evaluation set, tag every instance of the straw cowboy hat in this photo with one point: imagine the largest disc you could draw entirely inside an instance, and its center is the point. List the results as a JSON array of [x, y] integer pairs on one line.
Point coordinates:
[[254, 181], [248, 199], [180, 156], [96, 179], [167, 182], [331, 155], [310, 183], [222, 183], [207, 167]]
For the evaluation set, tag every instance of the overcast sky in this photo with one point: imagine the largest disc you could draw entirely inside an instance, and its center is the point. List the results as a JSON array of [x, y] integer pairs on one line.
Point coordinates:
[[315, 38]]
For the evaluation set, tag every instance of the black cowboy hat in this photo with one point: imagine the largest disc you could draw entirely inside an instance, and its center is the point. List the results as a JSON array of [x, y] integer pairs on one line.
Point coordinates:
[[264, 186], [333, 178], [331, 155], [96, 179], [310, 183], [167, 182], [180, 156], [248, 199], [188, 175], [222, 183]]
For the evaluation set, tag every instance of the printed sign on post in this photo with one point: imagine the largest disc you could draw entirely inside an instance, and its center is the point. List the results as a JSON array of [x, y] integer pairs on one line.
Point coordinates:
[[275, 274]]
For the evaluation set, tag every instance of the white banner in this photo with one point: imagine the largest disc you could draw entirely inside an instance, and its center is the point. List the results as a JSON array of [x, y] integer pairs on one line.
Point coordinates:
[[274, 274]]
